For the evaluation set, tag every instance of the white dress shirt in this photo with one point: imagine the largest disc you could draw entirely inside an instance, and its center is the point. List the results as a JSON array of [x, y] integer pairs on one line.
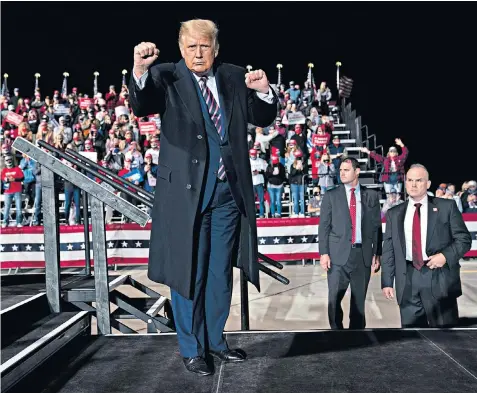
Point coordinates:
[[408, 226], [357, 193], [211, 84]]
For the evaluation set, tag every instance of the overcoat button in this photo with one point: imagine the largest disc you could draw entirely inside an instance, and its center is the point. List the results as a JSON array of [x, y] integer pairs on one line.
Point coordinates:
[[188, 186]]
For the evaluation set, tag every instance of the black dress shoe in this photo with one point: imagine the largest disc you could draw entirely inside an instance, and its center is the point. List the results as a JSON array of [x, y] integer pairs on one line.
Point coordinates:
[[230, 355], [197, 365]]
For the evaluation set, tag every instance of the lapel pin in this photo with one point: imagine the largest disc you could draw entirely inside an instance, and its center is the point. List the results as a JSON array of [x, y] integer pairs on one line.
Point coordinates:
[[434, 209]]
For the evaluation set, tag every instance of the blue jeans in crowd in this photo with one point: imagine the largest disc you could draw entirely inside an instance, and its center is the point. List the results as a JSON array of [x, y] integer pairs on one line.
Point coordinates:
[[275, 200], [76, 196], [258, 190], [18, 206], [298, 194], [37, 204]]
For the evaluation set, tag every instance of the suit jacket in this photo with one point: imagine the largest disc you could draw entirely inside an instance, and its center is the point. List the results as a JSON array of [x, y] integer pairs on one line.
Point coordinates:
[[446, 234], [335, 225], [182, 170]]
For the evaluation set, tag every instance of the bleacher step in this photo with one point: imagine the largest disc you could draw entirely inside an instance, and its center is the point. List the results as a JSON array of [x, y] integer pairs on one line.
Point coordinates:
[[345, 132], [348, 140], [353, 148]]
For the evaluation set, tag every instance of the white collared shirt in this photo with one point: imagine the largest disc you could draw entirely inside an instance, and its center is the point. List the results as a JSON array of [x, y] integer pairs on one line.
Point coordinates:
[[357, 193], [211, 84], [408, 226]]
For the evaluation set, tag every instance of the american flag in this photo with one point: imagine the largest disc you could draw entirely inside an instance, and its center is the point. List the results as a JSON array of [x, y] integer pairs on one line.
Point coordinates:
[[346, 85], [128, 244]]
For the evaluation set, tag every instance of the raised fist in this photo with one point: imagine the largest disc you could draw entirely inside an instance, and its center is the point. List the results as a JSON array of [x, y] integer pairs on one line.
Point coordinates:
[[145, 54], [257, 80]]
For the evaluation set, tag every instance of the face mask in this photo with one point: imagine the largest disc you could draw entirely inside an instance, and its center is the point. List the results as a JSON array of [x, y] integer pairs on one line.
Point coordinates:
[[128, 139], [9, 164], [253, 157], [326, 161], [316, 194]]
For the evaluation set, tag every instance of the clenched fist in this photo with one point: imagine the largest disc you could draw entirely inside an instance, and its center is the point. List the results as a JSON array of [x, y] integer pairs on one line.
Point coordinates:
[[257, 80], [145, 54]]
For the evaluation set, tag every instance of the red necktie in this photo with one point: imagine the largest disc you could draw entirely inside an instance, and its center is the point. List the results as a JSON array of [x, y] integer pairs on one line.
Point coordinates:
[[417, 259], [352, 212]]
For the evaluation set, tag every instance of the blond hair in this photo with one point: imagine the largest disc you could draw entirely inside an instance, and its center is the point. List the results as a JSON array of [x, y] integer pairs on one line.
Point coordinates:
[[204, 27]]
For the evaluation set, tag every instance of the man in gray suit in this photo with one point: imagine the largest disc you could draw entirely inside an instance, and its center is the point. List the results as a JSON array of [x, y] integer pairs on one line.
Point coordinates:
[[425, 239], [350, 240]]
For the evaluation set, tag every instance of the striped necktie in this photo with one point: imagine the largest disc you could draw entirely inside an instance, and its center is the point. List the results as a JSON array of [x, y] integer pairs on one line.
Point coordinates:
[[215, 116]]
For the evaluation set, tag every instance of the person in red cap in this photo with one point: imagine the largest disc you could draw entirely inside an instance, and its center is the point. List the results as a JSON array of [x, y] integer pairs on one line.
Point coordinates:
[[148, 171], [292, 148], [276, 177], [258, 167], [12, 177], [298, 170], [154, 150]]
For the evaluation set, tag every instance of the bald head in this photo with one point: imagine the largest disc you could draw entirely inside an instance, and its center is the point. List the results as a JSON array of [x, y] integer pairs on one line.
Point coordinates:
[[417, 181]]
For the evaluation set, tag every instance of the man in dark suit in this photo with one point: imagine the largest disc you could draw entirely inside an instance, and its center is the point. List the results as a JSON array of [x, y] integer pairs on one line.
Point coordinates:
[[423, 243], [203, 219], [350, 240]]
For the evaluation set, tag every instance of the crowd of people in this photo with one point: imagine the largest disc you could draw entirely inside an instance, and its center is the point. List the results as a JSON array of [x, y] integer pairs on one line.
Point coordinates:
[[299, 150]]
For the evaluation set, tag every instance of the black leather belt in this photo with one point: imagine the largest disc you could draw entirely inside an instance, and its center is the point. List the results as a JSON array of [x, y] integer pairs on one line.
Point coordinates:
[[356, 245]]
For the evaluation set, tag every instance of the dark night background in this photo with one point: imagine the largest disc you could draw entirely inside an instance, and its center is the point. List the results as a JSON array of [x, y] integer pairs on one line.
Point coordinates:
[[411, 62]]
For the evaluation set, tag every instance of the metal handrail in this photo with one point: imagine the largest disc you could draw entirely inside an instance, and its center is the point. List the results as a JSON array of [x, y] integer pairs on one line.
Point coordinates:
[[89, 170], [110, 173]]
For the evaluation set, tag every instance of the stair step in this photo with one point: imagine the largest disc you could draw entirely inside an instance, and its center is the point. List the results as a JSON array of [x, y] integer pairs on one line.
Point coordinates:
[[348, 141], [341, 125], [363, 160], [39, 329], [26, 354], [368, 171], [147, 305], [84, 290], [352, 148], [344, 132]]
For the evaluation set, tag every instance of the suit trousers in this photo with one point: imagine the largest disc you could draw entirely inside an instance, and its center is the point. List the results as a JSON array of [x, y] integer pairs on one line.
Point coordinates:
[[200, 322], [419, 308], [355, 274]]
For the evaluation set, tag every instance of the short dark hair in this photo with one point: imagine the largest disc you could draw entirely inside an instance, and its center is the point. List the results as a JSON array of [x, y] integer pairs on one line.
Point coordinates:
[[351, 160]]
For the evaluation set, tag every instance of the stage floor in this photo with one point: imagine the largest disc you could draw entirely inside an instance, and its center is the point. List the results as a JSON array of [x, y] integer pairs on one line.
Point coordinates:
[[373, 361], [301, 305]]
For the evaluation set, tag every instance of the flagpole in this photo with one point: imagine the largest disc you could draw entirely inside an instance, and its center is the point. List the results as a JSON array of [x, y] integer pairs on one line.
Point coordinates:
[[64, 89], [95, 85], [338, 65], [5, 91], [279, 81], [37, 84]]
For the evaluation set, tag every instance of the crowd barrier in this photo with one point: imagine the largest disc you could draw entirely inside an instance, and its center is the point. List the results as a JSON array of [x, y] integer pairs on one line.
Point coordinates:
[[281, 239]]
